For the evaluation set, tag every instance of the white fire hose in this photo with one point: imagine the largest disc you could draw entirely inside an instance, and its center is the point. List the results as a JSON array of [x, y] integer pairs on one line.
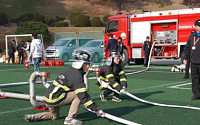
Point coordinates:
[[105, 85], [114, 118]]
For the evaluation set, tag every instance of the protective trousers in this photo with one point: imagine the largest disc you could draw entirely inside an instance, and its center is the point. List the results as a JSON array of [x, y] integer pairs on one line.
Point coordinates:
[[108, 92], [55, 110], [195, 73]]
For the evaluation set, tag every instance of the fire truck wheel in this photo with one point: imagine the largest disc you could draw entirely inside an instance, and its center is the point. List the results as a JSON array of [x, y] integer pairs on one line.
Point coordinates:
[[125, 58]]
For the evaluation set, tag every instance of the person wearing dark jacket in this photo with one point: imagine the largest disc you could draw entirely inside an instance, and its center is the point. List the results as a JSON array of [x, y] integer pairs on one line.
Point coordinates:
[[68, 87], [192, 49], [113, 75], [21, 52], [147, 49], [112, 43], [187, 66], [11, 49], [120, 45]]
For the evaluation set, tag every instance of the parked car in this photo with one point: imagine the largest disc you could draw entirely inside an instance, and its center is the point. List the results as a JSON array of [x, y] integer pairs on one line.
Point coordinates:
[[94, 48], [63, 48]]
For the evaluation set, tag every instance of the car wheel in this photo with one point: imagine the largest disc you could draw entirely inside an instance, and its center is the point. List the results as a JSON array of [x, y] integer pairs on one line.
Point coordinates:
[[95, 58], [65, 57]]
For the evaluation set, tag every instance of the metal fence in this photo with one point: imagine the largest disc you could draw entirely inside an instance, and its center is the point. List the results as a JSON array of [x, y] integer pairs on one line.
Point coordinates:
[[66, 44]]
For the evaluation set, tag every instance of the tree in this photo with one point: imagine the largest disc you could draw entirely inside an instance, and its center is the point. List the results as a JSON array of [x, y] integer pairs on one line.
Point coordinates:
[[105, 18], [62, 24], [78, 19], [194, 3], [31, 27], [3, 19], [96, 22], [49, 21], [38, 18], [119, 4], [26, 17]]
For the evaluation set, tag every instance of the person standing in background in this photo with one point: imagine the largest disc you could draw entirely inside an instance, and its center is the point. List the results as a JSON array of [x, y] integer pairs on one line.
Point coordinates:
[[192, 50], [11, 49], [37, 52], [21, 52], [147, 49], [120, 46], [112, 44], [27, 50]]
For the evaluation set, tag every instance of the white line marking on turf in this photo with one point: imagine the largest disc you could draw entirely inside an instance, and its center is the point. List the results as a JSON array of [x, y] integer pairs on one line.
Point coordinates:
[[17, 110], [20, 83], [152, 87], [180, 86], [26, 69]]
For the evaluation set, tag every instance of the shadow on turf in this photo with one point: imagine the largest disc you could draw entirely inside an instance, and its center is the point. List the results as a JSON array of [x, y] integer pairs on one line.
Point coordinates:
[[143, 95], [139, 95], [119, 111]]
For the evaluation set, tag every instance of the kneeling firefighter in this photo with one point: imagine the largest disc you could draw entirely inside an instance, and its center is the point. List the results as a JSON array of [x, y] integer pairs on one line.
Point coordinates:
[[113, 75], [68, 87]]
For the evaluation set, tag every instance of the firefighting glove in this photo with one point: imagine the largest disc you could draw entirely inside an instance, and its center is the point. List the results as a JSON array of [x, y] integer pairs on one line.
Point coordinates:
[[123, 89], [100, 113]]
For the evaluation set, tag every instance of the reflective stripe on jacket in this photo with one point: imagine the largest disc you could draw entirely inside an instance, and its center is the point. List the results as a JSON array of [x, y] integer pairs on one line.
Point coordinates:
[[69, 80]]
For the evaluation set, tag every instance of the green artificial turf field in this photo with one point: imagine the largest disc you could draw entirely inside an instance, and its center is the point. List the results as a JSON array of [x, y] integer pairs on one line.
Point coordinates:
[[158, 84]]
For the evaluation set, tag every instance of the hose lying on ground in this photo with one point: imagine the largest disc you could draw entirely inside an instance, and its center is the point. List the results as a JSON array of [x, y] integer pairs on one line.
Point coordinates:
[[105, 85]]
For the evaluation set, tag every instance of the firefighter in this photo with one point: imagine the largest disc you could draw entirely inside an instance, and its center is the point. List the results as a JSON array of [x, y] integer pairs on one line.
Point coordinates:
[[192, 49], [113, 75], [68, 87]]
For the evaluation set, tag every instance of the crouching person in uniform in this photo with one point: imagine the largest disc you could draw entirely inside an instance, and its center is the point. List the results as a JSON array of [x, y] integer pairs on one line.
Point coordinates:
[[113, 75], [68, 87]]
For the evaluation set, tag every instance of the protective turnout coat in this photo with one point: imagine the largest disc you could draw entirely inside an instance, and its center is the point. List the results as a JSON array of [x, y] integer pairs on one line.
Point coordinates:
[[69, 80], [114, 76]]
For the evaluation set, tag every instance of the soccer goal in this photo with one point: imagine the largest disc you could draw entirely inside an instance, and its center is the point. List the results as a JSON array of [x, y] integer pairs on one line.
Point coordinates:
[[15, 37]]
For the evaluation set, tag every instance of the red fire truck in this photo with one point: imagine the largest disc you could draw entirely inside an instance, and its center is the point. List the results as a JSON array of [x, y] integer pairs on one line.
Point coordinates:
[[169, 29]]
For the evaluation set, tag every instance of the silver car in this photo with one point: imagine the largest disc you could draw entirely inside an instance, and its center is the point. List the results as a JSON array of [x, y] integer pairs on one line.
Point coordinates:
[[94, 48], [63, 48]]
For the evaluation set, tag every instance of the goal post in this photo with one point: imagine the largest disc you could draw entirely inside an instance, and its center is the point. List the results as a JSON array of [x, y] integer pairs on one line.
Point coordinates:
[[15, 38]]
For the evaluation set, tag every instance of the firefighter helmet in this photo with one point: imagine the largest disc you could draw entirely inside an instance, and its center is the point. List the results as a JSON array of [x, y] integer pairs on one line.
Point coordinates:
[[113, 54], [80, 58]]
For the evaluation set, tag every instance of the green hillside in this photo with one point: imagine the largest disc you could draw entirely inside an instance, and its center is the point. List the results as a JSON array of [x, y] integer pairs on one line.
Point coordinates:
[[14, 8]]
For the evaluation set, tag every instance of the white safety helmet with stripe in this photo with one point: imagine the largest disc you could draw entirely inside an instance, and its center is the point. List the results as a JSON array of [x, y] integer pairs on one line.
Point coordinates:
[[80, 58], [113, 54]]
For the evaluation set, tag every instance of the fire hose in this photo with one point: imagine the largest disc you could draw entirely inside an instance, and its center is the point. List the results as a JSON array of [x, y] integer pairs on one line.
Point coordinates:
[[112, 117], [105, 85]]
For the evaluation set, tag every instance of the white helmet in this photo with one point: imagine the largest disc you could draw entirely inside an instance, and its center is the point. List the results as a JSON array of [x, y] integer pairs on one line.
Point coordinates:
[[80, 58], [113, 54]]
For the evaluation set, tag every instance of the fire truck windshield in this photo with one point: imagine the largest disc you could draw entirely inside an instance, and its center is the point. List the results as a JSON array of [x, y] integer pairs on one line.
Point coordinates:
[[112, 26]]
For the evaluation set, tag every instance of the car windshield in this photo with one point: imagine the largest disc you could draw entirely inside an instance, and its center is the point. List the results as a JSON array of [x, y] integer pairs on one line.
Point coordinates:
[[61, 42], [92, 44]]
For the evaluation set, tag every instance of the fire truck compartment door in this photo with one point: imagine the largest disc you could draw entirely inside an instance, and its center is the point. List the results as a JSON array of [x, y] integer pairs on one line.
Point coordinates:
[[139, 31], [136, 53]]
